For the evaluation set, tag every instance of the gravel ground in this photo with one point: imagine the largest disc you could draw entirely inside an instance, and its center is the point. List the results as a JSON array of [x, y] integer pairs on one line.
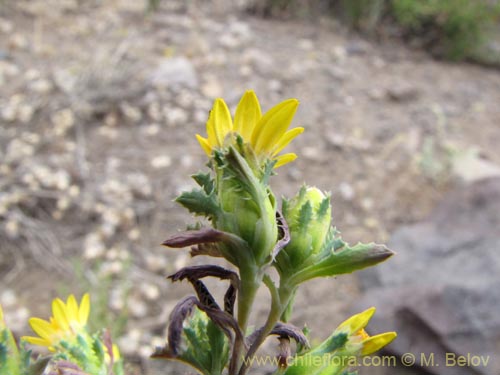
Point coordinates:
[[99, 106]]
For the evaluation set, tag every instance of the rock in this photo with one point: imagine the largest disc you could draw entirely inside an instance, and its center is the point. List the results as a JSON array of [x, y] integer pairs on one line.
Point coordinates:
[[358, 47], [176, 116], [440, 292], [260, 60], [336, 72], [402, 92], [175, 71], [468, 166]]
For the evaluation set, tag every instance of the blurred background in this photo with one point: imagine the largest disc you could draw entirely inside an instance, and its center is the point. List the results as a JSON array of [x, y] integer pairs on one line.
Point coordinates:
[[400, 99]]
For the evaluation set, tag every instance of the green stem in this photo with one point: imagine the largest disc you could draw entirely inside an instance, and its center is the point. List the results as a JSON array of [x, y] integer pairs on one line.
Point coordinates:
[[279, 301], [251, 278]]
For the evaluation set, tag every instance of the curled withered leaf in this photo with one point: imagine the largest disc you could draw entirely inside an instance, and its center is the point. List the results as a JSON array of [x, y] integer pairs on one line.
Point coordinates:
[[284, 352], [213, 237], [282, 330], [194, 273], [290, 331], [283, 232], [199, 272], [180, 312], [194, 237], [175, 328], [206, 299], [229, 299], [224, 321]]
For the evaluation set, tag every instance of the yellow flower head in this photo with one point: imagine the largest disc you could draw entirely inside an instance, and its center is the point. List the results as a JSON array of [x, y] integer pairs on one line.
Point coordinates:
[[67, 321], [355, 328], [267, 134]]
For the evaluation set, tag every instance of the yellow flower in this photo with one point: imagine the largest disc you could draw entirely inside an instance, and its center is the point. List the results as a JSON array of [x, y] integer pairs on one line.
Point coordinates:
[[355, 328], [267, 134], [67, 321]]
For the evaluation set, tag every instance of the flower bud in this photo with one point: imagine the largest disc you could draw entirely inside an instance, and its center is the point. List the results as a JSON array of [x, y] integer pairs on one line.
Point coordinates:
[[309, 218]]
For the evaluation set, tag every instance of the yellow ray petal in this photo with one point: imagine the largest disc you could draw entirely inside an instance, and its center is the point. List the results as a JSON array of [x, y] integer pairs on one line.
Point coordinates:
[[71, 309], [248, 113], [83, 312], [259, 126], [272, 127], [2, 323], [286, 139], [377, 342], [205, 145], [59, 312], [284, 159], [42, 328], [212, 138], [358, 321], [221, 121], [36, 341]]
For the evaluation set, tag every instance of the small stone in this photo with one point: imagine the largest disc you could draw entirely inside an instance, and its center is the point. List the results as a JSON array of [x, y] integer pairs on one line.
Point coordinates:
[[93, 246], [371, 222], [154, 111], [376, 94], [41, 86], [312, 153], [18, 41], [134, 234], [155, 263], [12, 228], [25, 113], [211, 88], [161, 161], [176, 116], [260, 60], [132, 113], [339, 53], [274, 85], [357, 48], [346, 191], [152, 129], [336, 72], [305, 44], [137, 307], [150, 291], [468, 166], [8, 298], [116, 301], [63, 120], [367, 203], [229, 41], [175, 71], [246, 70], [8, 69], [111, 268], [129, 343], [6, 26], [402, 93]]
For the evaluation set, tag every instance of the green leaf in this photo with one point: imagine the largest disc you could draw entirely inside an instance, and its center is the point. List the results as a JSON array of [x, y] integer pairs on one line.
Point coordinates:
[[199, 203], [346, 260], [205, 181]]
